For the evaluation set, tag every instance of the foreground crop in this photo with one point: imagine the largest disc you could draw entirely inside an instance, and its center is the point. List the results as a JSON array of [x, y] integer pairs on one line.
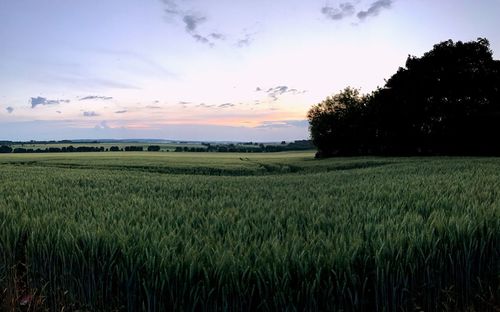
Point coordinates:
[[249, 233]]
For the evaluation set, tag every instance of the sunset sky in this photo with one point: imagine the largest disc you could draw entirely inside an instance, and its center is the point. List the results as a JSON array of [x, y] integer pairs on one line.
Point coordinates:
[[240, 70]]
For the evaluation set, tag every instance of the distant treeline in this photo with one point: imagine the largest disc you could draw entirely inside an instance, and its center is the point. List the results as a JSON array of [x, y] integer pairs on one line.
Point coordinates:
[[78, 149], [248, 147]]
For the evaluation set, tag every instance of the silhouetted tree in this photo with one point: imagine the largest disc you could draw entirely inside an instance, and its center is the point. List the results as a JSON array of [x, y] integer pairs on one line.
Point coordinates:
[[445, 102], [336, 124]]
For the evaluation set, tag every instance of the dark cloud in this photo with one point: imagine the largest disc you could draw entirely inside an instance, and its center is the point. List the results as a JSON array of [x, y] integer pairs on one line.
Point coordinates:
[[202, 39], [226, 105], [344, 10], [121, 111], [171, 7], [90, 114], [191, 21], [96, 97], [258, 89], [9, 109], [217, 36], [184, 103], [375, 9], [35, 101], [59, 112]]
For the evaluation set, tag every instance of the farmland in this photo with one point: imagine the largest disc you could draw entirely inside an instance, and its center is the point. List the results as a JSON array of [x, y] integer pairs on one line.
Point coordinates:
[[270, 231]]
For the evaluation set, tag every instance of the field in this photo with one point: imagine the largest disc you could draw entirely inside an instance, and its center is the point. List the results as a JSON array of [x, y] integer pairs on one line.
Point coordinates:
[[245, 232]]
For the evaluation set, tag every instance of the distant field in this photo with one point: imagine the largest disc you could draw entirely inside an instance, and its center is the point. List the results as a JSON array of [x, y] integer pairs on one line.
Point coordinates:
[[271, 231]]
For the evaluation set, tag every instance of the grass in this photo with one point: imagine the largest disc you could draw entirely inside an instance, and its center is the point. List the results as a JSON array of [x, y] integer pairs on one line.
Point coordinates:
[[168, 231]]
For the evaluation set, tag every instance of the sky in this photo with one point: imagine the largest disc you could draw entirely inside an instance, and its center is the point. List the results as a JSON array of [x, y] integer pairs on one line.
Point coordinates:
[[218, 70]]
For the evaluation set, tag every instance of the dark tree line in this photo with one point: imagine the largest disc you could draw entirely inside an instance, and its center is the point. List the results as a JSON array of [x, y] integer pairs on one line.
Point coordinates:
[[79, 149], [446, 102], [249, 147]]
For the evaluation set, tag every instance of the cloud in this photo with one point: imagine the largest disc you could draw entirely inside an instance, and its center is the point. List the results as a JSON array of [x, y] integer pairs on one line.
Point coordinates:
[[35, 101], [284, 124], [226, 105], [275, 92], [258, 89], [192, 21], [153, 107], [172, 8], [204, 105], [59, 112], [245, 41], [184, 103], [202, 39], [90, 114], [375, 9], [9, 109], [217, 36], [96, 97], [345, 9], [121, 111]]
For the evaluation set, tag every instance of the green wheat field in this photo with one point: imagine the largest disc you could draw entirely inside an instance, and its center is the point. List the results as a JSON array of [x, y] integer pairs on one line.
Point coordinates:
[[245, 232]]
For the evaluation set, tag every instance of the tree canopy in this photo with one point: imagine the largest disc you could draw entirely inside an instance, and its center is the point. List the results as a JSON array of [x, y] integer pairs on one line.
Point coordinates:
[[446, 102]]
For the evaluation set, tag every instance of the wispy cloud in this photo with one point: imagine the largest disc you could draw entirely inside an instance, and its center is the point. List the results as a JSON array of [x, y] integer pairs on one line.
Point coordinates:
[[347, 9], [217, 36], [96, 97], [245, 41], [375, 9], [121, 111], [9, 109], [205, 105], [226, 105], [337, 13], [35, 101], [191, 22], [284, 124], [90, 114], [275, 92]]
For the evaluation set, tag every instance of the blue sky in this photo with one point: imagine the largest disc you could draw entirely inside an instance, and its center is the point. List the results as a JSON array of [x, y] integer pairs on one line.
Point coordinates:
[[207, 69]]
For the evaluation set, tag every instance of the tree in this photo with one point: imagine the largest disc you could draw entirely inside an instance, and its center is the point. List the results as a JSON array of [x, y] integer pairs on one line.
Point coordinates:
[[445, 102], [154, 148], [5, 149], [336, 124]]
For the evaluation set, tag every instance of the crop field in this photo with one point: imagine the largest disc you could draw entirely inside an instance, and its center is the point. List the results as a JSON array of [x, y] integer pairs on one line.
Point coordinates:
[[247, 232]]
